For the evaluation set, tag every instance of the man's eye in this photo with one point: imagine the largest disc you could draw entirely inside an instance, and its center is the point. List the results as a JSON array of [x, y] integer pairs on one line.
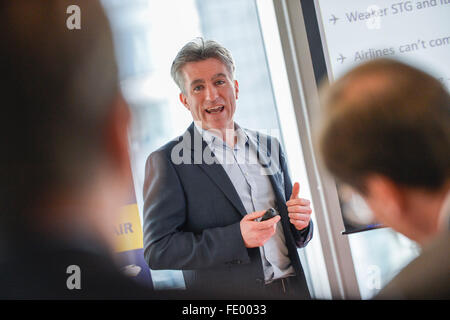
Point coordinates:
[[220, 82], [198, 88]]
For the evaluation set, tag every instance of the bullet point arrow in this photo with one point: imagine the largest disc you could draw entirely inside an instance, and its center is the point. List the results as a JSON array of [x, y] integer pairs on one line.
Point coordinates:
[[333, 19], [341, 58]]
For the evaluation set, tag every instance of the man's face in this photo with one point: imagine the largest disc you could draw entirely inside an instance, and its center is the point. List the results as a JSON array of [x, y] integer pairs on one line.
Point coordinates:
[[210, 93]]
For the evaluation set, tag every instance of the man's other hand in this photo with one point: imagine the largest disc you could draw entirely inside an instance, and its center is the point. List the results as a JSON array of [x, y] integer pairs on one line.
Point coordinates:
[[299, 209]]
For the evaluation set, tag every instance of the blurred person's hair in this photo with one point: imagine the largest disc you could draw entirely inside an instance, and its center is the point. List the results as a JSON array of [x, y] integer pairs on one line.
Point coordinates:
[[385, 117], [57, 88], [199, 50]]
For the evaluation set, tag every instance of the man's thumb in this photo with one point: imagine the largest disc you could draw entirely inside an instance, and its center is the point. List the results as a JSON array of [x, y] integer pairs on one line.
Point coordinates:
[[254, 215], [295, 191]]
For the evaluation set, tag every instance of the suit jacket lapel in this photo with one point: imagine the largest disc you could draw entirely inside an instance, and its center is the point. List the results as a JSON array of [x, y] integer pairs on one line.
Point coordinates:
[[214, 170], [217, 174], [269, 162]]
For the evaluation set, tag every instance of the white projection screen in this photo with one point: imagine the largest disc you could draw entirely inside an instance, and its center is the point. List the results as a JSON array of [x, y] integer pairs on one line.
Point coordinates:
[[344, 33]]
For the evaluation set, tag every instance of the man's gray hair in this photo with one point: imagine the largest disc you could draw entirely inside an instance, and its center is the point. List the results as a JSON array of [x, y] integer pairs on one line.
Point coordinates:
[[199, 50]]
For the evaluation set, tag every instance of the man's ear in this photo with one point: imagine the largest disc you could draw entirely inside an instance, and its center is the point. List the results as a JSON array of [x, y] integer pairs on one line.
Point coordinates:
[[236, 88], [183, 100], [385, 197]]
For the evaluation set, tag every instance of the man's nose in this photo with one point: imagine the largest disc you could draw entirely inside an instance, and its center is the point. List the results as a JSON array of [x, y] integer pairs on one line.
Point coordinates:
[[211, 93]]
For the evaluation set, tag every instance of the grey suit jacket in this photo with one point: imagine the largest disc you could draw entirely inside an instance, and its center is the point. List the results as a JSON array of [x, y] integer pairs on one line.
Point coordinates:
[[192, 216]]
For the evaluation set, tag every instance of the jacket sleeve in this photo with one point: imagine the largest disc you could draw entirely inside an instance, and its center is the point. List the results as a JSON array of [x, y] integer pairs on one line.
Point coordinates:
[[166, 244], [301, 237]]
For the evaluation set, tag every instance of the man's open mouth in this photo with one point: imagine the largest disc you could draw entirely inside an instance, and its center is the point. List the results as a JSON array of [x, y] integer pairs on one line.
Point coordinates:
[[215, 109]]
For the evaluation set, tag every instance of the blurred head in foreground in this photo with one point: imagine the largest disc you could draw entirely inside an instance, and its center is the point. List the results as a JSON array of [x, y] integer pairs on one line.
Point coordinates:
[[64, 164], [386, 132]]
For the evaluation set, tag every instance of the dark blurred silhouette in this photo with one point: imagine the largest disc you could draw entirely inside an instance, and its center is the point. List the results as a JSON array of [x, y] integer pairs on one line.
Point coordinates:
[[386, 133], [64, 169]]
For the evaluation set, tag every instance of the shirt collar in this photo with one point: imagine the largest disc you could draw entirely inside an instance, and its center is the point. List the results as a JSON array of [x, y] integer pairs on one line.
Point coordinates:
[[212, 138]]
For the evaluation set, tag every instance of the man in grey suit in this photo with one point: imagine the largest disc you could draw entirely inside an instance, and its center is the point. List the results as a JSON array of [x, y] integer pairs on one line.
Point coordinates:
[[205, 192], [386, 132]]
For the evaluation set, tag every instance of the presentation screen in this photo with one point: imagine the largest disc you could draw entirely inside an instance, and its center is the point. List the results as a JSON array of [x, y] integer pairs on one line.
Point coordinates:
[[345, 33], [417, 32]]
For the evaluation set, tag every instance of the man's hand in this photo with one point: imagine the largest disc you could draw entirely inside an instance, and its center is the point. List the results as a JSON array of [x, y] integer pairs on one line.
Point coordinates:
[[255, 233], [299, 209]]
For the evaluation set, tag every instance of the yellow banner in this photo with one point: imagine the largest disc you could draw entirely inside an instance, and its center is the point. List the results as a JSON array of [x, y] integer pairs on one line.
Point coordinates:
[[128, 229]]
